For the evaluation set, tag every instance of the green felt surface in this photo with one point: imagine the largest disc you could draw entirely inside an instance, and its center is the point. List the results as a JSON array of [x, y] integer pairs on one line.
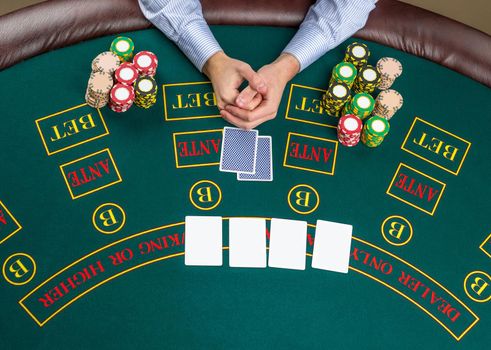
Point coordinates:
[[165, 305]]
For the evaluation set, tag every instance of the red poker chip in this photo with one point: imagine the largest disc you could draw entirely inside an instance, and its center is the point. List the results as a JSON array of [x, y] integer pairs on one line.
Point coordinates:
[[146, 63], [126, 74], [122, 94], [350, 124], [350, 144], [118, 110], [349, 130]]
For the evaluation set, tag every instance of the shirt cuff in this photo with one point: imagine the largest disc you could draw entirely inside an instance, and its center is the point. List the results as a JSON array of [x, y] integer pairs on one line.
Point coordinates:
[[198, 43], [308, 45]]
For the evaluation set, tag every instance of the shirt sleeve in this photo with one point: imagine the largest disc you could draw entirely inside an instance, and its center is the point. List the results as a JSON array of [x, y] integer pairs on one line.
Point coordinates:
[[182, 22], [327, 24]]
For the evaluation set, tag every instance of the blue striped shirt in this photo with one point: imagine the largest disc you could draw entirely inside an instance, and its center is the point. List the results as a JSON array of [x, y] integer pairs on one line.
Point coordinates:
[[327, 24]]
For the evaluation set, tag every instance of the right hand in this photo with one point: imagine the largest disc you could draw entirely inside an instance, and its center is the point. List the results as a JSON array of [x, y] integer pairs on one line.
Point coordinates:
[[227, 74]]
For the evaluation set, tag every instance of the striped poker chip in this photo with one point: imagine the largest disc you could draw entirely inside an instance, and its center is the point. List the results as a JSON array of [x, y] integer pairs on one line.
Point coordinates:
[[338, 91], [123, 47], [367, 80], [390, 69], [361, 104], [145, 85], [145, 91], [387, 103], [344, 72], [378, 126], [122, 94], [350, 124], [106, 62], [336, 96], [121, 97], [98, 89], [126, 74], [146, 63], [357, 54], [100, 82], [374, 131], [349, 130]]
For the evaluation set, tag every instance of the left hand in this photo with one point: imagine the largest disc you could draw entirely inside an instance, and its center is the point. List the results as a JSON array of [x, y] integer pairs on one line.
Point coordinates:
[[249, 110], [227, 74]]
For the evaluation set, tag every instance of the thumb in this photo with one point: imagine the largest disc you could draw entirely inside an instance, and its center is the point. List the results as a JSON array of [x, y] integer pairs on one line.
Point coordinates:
[[256, 82], [245, 98]]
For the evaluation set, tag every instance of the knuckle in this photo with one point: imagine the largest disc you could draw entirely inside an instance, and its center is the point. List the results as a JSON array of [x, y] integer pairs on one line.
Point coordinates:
[[227, 98], [248, 117], [245, 66]]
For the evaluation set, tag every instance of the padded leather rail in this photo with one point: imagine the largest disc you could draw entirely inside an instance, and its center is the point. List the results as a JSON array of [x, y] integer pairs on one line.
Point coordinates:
[[57, 23]]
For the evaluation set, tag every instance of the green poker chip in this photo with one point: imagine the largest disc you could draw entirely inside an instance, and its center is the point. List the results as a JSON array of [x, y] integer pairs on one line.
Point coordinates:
[[378, 126], [123, 47], [344, 72]]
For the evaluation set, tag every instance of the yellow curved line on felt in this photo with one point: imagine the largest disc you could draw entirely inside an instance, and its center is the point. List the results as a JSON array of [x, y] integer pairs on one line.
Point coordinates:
[[457, 337]]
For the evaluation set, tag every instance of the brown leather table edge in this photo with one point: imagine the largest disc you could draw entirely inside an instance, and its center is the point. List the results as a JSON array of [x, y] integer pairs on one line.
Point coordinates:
[[57, 23]]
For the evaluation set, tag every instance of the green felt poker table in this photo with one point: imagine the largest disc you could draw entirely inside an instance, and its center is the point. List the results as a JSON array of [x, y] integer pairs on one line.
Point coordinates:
[[92, 202]]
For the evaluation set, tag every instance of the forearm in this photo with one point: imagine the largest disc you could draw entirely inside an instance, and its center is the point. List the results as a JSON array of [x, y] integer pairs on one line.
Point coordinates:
[[287, 66], [183, 23], [327, 24]]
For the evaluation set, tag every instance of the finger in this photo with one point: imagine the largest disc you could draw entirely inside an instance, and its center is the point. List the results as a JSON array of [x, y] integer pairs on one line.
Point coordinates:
[[233, 119], [255, 80], [228, 98], [256, 101], [256, 123], [249, 116], [245, 98], [220, 104], [244, 124]]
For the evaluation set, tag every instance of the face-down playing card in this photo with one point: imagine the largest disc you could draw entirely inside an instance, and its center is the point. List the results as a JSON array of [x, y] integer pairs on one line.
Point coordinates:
[[264, 162], [238, 150]]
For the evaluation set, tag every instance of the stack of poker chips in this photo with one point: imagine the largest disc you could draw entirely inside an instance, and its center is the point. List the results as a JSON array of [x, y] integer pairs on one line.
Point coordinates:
[[126, 74], [361, 104], [100, 81], [336, 96], [357, 54], [123, 47], [387, 103], [349, 130], [146, 63], [105, 62], [145, 91], [367, 80], [344, 72], [374, 131], [134, 78], [98, 89], [121, 97], [390, 69]]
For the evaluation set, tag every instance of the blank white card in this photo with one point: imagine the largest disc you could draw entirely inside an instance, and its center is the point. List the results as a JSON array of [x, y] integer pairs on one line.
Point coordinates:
[[247, 242], [332, 246], [203, 241], [287, 244]]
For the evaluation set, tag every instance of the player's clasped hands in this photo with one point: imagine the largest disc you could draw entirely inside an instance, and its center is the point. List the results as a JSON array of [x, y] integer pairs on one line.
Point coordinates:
[[259, 101]]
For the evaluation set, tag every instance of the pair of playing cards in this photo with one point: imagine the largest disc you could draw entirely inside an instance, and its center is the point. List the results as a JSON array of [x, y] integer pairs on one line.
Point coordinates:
[[246, 153], [247, 243]]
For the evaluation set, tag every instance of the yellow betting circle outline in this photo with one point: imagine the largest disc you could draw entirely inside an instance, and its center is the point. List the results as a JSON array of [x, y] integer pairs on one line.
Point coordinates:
[[30, 278], [200, 182], [113, 231], [298, 211], [465, 286], [410, 230]]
